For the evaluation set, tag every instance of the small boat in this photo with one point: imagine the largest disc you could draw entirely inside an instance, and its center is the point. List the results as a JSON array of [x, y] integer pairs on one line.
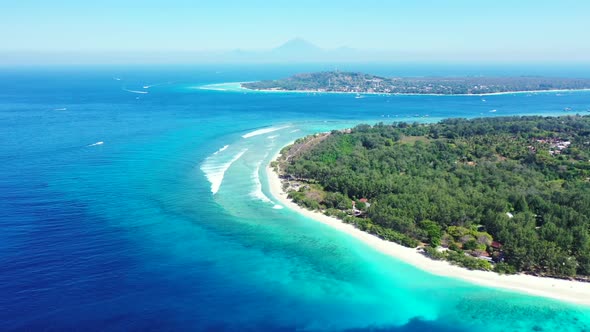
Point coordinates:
[[493, 111], [567, 109], [359, 96]]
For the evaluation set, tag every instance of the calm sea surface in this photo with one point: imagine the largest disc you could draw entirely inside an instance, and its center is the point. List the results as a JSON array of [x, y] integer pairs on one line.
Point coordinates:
[[131, 199]]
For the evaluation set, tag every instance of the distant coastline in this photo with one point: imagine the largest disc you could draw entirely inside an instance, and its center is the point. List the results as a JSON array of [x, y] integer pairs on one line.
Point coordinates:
[[422, 94], [559, 289], [361, 83], [239, 87]]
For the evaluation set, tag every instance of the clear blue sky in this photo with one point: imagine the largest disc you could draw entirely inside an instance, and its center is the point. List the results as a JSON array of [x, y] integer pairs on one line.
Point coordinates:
[[516, 29]]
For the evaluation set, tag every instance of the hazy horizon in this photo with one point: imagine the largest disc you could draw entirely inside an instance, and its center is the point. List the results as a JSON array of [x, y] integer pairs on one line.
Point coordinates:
[[181, 31]]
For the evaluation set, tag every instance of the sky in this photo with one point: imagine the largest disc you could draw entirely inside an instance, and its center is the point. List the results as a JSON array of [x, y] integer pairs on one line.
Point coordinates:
[[516, 30]]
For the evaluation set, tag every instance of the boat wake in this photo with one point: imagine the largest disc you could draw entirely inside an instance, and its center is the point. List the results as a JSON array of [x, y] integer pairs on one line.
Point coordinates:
[[136, 91], [148, 86], [263, 131], [95, 144], [215, 171]]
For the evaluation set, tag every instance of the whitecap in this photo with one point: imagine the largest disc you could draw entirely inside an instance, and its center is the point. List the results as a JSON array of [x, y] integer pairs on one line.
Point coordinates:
[[277, 207], [294, 131], [273, 136], [215, 172], [263, 131]]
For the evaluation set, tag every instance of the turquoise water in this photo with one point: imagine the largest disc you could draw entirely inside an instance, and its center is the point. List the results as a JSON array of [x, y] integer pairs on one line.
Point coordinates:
[[168, 224]]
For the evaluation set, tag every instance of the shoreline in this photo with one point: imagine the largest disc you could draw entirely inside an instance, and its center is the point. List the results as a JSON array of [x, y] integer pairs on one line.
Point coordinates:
[[563, 290], [239, 88]]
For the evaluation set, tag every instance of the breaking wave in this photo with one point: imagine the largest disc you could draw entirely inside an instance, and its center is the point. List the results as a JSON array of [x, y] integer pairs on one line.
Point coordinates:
[[257, 192], [263, 131], [216, 171], [222, 149]]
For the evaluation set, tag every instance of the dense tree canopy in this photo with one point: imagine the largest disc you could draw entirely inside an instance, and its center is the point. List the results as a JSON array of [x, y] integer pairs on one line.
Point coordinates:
[[520, 183]]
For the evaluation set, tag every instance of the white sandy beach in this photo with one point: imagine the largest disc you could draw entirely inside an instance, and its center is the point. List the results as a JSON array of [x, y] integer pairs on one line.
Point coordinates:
[[564, 290], [237, 87]]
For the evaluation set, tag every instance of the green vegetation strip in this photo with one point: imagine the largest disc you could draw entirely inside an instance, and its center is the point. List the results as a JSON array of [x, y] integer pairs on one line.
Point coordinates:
[[504, 194]]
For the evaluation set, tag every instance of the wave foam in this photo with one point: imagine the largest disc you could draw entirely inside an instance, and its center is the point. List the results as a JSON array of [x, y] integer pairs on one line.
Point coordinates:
[[263, 131], [216, 172], [222, 149], [257, 192]]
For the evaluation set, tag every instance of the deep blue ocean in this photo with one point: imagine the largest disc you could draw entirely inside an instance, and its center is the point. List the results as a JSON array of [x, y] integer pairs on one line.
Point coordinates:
[[132, 199]]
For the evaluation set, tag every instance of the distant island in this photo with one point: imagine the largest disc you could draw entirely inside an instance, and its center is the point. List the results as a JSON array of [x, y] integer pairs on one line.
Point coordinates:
[[352, 82], [506, 194]]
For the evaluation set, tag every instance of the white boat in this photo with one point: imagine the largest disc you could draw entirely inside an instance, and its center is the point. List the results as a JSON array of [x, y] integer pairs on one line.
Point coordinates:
[[493, 111]]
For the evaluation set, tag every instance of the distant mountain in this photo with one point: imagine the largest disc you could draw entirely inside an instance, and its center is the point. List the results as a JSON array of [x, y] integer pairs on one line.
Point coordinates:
[[295, 50], [297, 47]]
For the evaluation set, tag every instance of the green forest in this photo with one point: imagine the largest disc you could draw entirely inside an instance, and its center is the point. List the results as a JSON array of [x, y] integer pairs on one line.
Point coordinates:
[[337, 81], [509, 194]]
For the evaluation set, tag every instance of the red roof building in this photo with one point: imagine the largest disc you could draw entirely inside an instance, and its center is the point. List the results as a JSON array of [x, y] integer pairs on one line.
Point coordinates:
[[496, 245]]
